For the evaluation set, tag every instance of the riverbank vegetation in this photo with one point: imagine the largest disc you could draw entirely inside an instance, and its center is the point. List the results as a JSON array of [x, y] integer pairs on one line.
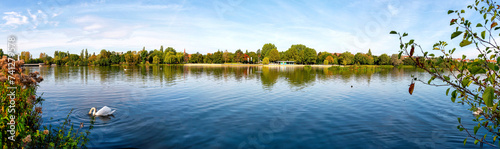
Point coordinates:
[[21, 113], [299, 54]]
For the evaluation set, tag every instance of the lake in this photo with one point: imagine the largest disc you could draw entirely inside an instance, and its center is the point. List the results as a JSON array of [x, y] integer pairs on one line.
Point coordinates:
[[254, 107]]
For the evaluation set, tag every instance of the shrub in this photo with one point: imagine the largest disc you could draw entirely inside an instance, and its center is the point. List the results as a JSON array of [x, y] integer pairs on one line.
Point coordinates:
[[265, 61], [27, 116]]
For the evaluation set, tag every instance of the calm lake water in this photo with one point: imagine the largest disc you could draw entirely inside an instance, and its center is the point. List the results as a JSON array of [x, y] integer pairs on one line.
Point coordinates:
[[253, 107]]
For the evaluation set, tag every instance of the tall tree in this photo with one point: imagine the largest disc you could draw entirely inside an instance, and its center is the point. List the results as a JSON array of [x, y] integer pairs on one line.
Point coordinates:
[[238, 55], [81, 54], [267, 48], [307, 55], [86, 54], [274, 55], [369, 52]]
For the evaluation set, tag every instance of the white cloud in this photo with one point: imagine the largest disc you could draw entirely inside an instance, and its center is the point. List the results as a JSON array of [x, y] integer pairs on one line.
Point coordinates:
[[14, 19], [92, 27], [31, 21], [394, 11]]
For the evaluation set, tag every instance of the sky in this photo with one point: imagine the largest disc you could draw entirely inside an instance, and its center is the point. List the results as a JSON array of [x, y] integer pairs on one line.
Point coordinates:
[[208, 26]]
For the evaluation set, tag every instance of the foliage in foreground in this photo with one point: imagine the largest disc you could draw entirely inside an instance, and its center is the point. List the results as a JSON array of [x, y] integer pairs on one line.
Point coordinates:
[[475, 84], [23, 114]]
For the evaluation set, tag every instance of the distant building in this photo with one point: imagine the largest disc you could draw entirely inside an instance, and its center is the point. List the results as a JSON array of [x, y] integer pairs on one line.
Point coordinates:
[[336, 54], [286, 62], [491, 61]]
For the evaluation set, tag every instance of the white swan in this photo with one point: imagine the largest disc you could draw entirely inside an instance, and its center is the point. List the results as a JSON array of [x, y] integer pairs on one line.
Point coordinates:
[[477, 112], [104, 111]]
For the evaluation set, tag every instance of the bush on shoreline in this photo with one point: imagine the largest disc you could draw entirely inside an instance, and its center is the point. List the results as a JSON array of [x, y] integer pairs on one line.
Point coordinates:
[[21, 114]]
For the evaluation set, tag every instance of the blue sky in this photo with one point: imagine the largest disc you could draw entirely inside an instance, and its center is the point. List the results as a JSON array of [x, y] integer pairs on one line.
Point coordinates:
[[206, 26]]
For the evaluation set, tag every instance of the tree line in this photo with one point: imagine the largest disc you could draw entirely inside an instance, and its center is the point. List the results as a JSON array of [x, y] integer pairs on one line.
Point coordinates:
[[269, 53]]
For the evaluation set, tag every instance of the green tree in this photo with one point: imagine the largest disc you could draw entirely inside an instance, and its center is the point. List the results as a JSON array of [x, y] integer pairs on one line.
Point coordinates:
[[179, 58], [170, 49], [307, 55], [322, 56], [156, 59], [86, 54], [369, 52], [253, 57], [363, 59], [325, 62], [169, 58], [384, 59], [265, 61], [476, 83], [292, 54], [267, 48], [1, 52], [274, 55], [346, 58]]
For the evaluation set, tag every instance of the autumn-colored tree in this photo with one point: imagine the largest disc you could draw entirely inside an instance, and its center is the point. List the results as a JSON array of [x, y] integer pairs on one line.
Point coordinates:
[[330, 60]]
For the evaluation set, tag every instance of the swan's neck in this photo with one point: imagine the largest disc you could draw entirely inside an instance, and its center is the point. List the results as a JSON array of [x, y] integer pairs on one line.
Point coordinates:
[[92, 111]]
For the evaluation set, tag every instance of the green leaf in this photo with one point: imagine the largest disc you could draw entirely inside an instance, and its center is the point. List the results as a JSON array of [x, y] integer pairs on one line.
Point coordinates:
[[453, 95], [495, 138], [465, 82], [450, 11], [459, 120], [479, 25], [488, 96], [393, 32], [463, 11], [447, 91], [476, 141], [465, 43], [405, 34], [483, 34], [455, 34], [476, 128], [446, 77], [430, 80]]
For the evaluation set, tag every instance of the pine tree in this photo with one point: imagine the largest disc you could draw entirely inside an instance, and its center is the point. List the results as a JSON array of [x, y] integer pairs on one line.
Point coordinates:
[[369, 52]]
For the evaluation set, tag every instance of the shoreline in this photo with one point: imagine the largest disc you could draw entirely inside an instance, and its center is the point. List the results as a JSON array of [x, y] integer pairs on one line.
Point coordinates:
[[261, 65]]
